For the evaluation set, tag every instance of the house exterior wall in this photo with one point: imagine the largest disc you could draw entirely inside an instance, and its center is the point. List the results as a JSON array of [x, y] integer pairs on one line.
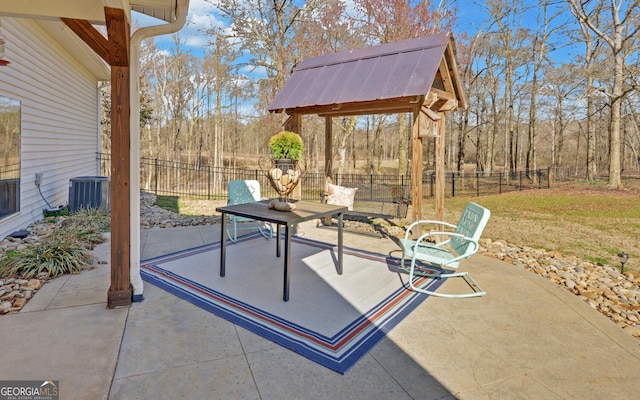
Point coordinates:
[[59, 123]]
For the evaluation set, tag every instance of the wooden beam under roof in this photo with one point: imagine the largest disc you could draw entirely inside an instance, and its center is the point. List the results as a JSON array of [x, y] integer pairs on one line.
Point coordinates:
[[386, 106], [439, 100], [91, 36], [444, 73], [450, 55]]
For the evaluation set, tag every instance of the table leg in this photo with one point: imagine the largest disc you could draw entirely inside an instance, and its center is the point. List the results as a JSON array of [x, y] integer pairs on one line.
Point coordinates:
[[278, 240], [223, 243], [340, 244], [287, 258]]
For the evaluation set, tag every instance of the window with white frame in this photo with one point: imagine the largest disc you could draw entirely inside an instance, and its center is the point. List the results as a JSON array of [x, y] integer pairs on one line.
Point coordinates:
[[9, 156]]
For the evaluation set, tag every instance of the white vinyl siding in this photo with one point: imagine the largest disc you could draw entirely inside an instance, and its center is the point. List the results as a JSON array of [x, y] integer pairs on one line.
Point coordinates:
[[60, 121]]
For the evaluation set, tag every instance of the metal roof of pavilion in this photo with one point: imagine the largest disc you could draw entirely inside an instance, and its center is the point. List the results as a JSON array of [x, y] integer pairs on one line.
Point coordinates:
[[387, 78]]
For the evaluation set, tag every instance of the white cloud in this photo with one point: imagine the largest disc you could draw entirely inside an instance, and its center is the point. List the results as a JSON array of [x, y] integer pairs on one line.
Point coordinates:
[[253, 71], [201, 16]]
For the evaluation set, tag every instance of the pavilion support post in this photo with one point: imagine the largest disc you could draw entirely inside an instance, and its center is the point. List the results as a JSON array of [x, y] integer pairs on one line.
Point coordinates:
[[416, 163], [120, 291], [328, 157], [294, 123], [328, 146]]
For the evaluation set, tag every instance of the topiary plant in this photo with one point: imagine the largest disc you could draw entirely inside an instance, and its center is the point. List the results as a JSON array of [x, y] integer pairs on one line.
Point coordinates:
[[286, 144]]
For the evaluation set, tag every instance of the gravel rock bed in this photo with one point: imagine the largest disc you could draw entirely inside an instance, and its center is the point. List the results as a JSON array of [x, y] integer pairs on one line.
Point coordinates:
[[156, 217], [603, 287]]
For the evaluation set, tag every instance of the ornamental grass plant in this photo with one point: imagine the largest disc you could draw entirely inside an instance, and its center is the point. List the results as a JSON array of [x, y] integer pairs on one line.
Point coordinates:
[[55, 256], [66, 251]]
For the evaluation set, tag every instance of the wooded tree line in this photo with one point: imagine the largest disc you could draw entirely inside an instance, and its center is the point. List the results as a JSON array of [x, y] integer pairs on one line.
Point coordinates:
[[549, 84]]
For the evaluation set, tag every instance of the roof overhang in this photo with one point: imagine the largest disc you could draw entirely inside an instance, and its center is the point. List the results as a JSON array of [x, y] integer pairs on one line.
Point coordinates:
[[77, 48], [89, 10], [47, 13], [164, 10]]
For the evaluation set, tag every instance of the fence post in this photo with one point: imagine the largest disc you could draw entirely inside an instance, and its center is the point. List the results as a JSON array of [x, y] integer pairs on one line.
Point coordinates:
[[453, 184], [208, 182], [539, 176], [477, 184], [520, 178], [500, 182], [371, 186], [155, 183], [431, 179]]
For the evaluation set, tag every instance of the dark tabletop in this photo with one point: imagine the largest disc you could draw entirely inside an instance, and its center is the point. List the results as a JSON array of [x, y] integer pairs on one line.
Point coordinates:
[[304, 211]]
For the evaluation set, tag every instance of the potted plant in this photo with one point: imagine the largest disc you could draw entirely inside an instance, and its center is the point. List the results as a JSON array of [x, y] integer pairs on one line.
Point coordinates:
[[286, 150], [286, 145]]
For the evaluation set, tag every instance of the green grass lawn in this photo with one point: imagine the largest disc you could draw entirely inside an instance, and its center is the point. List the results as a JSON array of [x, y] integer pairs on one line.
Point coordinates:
[[580, 219]]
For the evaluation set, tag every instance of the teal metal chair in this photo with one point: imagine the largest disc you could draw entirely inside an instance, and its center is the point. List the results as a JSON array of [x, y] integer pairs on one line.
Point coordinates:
[[241, 192], [445, 248]]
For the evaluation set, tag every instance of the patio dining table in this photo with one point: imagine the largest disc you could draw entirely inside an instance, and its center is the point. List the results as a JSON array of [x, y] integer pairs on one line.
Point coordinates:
[[304, 211]]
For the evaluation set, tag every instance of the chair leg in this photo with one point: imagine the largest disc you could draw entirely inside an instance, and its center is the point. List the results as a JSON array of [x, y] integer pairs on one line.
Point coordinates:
[[232, 233], [266, 232], [478, 292], [234, 237]]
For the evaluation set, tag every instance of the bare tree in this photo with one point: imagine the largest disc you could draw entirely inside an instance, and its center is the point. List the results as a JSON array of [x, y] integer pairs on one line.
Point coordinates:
[[511, 40], [385, 21], [222, 83], [265, 30], [540, 49], [588, 71], [633, 136], [330, 30], [617, 24]]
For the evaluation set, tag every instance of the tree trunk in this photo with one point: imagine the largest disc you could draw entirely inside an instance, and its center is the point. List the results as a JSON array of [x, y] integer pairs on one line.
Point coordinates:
[[616, 106], [348, 126]]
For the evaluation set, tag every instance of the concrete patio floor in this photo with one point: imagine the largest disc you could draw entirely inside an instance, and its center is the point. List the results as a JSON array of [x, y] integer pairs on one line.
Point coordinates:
[[527, 339]]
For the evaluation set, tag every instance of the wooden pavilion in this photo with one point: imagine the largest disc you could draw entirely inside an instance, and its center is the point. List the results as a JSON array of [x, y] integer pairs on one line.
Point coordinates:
[[419, 76]]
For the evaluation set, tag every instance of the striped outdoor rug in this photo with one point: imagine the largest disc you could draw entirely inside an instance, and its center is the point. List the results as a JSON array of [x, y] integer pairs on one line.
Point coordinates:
[[331, 319]]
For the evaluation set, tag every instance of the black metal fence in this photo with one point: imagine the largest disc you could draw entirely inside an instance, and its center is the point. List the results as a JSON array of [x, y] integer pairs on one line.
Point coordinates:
[[171, 178]]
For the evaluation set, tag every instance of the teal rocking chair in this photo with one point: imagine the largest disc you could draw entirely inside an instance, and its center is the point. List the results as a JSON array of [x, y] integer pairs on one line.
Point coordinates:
[[241, 192], [451, 245]]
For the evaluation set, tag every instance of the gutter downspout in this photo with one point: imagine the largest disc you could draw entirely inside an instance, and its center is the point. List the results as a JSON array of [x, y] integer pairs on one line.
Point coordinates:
[[138, 36]]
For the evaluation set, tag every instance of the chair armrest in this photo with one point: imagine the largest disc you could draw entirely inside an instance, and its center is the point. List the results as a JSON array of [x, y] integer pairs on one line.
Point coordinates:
[[426, 222], [450, 234]]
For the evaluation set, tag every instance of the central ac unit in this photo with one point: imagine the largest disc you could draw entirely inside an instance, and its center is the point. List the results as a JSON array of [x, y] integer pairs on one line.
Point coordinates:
[[89, 192]]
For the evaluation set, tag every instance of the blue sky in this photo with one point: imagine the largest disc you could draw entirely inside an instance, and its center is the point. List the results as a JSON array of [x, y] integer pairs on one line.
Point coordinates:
[[201, 16]]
